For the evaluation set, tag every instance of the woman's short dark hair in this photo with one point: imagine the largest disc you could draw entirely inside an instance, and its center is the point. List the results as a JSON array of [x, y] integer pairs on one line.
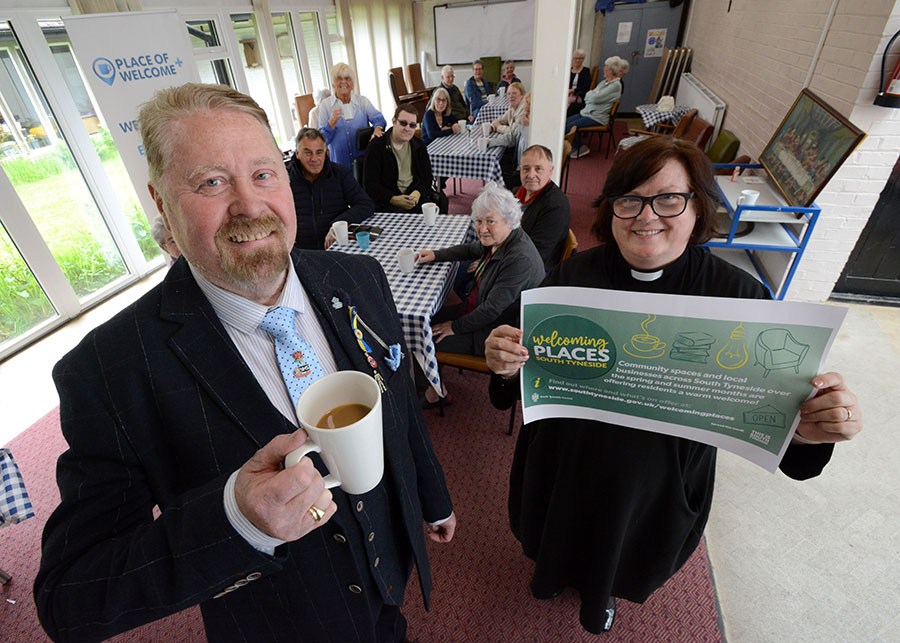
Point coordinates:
[[644, 159]]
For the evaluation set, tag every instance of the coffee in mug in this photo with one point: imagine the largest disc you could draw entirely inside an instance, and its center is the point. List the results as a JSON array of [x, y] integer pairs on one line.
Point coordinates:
[[343, 415], [354, 453]]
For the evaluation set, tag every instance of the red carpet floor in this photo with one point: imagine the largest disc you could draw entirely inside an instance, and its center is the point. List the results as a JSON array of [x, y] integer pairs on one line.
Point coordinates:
[[481, 578]]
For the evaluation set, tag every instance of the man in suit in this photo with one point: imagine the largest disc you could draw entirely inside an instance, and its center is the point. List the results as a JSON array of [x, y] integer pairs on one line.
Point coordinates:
[[324, 192], [178, 402], [546, 216], [397, 169]]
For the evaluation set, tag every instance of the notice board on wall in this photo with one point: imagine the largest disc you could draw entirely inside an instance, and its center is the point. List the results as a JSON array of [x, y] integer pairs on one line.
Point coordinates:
[[464, 32]]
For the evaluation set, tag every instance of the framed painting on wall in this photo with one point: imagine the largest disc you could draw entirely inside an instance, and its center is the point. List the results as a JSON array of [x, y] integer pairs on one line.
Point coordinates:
[[809, 146]]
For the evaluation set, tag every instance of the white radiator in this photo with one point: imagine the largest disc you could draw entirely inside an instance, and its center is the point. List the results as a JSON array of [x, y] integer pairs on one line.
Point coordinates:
[[710, 107]]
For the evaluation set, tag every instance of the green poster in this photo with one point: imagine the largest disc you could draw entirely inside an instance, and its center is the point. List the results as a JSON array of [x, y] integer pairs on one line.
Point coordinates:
[[727, 372]]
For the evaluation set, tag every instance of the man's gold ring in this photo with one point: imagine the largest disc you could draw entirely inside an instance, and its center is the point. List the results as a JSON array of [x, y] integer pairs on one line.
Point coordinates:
[[849, 414], [316, 513]]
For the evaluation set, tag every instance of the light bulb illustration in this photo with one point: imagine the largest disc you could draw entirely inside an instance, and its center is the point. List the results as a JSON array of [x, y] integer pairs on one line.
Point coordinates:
[[734, 353]]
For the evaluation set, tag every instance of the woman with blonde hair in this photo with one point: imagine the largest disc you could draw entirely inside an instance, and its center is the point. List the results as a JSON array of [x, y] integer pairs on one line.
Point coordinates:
[[512, 117], [345, 113], [438, 120]]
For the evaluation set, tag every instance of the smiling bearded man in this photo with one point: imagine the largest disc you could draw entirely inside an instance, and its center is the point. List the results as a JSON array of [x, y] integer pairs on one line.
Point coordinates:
[[180, 402]]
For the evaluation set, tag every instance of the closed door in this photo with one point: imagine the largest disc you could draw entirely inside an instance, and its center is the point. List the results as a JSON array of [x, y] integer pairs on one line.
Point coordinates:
[[639, 35]]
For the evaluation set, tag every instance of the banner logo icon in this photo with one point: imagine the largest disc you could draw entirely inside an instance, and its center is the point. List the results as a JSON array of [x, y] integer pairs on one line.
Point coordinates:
[[105, 70]]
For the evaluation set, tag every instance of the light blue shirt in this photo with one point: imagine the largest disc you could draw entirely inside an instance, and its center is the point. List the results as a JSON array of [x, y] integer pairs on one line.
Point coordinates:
[[241, 318], [342, 139]]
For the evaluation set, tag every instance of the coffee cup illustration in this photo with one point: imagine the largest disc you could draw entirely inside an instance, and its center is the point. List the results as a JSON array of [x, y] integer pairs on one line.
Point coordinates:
[[645, 345]]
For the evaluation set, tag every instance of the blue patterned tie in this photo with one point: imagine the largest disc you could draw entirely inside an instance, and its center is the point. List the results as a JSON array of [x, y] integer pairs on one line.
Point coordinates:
[[296, 358]]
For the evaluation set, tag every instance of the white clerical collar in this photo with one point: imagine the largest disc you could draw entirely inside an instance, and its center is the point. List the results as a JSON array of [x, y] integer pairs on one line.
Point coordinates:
[[646, 276]]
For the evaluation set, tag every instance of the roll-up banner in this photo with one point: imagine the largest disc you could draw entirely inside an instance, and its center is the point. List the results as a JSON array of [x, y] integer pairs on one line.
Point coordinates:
[[126, 57]]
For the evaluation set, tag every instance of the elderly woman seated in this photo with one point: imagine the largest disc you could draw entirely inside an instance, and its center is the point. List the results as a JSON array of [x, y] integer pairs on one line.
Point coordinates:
[[513, 116], [509, 75], [504, 263], [579, 82], [438, 120], [598, 102], [477, 88]]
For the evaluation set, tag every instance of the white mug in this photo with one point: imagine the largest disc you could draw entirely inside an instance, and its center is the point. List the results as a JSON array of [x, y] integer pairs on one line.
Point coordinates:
[[407, 260], [354, 454], [482, 145], [485, 129], [748, 197], [491, 98], [339, 228], [430, 212], [501, 91], [462, 125], [347, 111]]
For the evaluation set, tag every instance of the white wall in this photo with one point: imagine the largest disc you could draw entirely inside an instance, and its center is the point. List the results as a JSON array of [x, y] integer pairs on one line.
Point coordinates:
[[756, 59]]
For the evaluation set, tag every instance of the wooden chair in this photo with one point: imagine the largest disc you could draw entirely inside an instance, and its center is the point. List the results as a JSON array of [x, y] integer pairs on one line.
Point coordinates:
[[406, 95], [604, 129], [698, 132], [564, 173], [418, 99], [304, 103], [471, 363], [416, 81], [595, 76], [570, 246], [678, 131]]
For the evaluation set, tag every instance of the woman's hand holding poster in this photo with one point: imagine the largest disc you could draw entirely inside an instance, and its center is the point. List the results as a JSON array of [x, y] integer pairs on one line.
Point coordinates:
[[731, 373]]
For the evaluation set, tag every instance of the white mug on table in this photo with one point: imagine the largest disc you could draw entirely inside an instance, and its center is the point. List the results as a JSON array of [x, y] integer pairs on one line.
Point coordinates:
[[340, 232], [748, 197], [407, 260], [430, 212]]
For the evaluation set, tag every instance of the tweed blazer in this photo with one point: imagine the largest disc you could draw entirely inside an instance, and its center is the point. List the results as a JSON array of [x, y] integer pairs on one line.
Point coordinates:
[[158, 408]]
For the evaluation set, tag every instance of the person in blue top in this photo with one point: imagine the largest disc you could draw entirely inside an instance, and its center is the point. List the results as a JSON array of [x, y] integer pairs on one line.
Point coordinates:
[[343, 114], [477, 88], [438, 120]]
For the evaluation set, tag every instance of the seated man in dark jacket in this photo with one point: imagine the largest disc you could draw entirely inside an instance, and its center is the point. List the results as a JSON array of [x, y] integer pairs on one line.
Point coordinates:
[[546, 216], [397, 169], [324, 192]]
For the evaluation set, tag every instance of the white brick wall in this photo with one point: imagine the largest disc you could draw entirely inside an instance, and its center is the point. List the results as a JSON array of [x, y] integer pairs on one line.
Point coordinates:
[[756, 58]]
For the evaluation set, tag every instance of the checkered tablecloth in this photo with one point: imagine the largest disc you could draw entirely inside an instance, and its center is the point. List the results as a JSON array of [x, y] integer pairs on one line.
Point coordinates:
[[651, 117], [15, 505], [490, 112], [458, 155], [419, 294]]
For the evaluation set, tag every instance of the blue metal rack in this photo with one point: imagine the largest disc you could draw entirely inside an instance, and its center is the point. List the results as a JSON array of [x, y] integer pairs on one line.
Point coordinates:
[[778, 227]]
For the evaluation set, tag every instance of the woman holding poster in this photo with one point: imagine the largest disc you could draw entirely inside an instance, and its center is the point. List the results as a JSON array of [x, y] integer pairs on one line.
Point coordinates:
[[612, 511]]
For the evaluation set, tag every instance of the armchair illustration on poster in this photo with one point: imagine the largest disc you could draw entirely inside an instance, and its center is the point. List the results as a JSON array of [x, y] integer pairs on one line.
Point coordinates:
[[809, 146]]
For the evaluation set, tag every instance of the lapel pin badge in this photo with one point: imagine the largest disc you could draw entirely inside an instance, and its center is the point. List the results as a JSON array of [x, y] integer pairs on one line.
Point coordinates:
[[336, 303]]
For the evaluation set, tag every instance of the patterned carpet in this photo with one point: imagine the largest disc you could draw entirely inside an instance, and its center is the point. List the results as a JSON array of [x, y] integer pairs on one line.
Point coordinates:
[[481, 578]]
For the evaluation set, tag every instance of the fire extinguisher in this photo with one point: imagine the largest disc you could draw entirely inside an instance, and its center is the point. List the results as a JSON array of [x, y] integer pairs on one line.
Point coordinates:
[[890, 97]]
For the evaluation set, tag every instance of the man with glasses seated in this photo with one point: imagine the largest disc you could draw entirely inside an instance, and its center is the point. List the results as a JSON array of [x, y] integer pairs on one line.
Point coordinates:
[[397, 169]]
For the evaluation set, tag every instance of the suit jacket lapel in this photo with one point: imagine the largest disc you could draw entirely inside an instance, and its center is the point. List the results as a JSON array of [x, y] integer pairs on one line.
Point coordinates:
[[325, 292], [204, 347]]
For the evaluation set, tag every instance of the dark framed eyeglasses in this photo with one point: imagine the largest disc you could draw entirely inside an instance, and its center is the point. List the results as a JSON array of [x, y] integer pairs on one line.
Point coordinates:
[[407, 124], [669, 204]]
